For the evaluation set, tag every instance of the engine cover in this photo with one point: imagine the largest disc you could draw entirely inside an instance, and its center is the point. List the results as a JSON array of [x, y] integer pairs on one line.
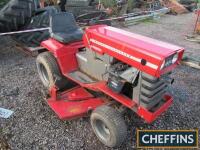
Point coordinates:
[[94, 64], [145, 54]]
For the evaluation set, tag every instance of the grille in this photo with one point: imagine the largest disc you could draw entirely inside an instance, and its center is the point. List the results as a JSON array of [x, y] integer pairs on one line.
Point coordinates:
[[152, 90]]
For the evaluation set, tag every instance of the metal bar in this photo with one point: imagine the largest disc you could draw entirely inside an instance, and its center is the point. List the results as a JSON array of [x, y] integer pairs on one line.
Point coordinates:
[[24, 31], [132, 16], [139, 17], [141, 14]]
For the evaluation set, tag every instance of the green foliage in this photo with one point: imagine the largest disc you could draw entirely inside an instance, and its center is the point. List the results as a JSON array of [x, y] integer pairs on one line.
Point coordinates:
[[109, 3], [131, 4], [112, 3]]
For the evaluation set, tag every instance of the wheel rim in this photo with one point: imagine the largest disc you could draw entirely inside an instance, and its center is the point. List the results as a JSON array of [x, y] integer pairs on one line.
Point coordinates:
[[102, 130], [44, 74]]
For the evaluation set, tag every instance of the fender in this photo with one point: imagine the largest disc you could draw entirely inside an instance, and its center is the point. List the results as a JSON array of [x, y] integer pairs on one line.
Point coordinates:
[[65, 54]]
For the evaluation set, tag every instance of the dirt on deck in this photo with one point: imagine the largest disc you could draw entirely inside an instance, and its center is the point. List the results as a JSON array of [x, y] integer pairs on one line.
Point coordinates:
[[35, 126]]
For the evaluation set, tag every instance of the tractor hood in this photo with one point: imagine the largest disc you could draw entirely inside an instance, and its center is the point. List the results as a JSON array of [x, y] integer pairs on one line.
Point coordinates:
[[142, 52]]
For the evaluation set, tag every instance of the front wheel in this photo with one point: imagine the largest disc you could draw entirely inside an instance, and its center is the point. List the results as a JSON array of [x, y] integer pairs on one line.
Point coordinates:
[[109, 126]]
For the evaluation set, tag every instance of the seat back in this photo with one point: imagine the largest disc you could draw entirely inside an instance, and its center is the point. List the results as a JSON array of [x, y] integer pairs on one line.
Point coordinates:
[[62, 22]]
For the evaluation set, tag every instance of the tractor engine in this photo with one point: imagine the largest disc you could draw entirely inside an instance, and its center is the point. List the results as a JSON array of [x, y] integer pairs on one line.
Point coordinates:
[[124, 79]]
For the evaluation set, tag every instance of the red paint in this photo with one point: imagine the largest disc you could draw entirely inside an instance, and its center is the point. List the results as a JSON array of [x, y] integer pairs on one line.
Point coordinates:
[[76, 94], [148, 116], [79, 106], [118, 97], [141, 47], [64, 53]]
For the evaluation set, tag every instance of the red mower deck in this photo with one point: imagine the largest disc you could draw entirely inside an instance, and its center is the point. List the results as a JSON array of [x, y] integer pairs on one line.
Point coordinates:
[[74, 103]]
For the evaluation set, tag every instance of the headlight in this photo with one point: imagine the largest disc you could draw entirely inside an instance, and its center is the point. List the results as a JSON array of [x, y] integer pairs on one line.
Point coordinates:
[[163, 65], [169, 61], [175, 58]]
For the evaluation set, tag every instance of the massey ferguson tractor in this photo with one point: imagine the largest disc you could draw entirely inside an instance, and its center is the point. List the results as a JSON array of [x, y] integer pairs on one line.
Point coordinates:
[[103, 72]]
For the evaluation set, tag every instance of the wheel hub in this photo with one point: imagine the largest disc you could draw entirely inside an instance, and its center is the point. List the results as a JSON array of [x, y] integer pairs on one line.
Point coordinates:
[[102, 130]]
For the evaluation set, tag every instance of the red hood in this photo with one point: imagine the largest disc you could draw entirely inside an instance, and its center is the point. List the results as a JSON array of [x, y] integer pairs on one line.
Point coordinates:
[[152, 46], [142, 52]]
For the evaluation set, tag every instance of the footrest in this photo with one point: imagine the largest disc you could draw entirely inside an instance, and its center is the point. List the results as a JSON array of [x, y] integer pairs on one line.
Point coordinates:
[[81, 77]]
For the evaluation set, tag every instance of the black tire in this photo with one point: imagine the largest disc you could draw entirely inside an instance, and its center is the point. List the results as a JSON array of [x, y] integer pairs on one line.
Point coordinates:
[[187, 2], [109, 126], [49, 72], [40, 20], [15, 14]]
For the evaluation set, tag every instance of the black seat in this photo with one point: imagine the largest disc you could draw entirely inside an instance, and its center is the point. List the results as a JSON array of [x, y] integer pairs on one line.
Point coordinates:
[[63, 28]]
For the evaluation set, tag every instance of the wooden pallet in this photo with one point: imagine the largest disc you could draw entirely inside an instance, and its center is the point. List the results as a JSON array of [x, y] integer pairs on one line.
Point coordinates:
[[191, 61], [33, 51]]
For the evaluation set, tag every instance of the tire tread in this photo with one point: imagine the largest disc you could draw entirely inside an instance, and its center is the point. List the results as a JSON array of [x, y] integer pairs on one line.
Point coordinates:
[[116, 118]]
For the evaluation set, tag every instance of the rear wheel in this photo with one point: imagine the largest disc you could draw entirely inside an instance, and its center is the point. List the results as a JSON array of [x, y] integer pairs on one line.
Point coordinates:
[[50, 73], [109, 126], [41, 19]]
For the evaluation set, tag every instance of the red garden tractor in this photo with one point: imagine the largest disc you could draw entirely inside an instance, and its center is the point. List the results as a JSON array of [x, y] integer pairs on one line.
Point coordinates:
[[104, 72]]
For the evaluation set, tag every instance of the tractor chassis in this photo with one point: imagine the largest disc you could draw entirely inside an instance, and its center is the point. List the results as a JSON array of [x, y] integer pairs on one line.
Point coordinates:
[[75, 73], [78, 102], [60, 101]]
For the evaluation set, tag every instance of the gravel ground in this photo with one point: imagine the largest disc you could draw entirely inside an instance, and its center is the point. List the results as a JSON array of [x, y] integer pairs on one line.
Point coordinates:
[[35, 126]]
